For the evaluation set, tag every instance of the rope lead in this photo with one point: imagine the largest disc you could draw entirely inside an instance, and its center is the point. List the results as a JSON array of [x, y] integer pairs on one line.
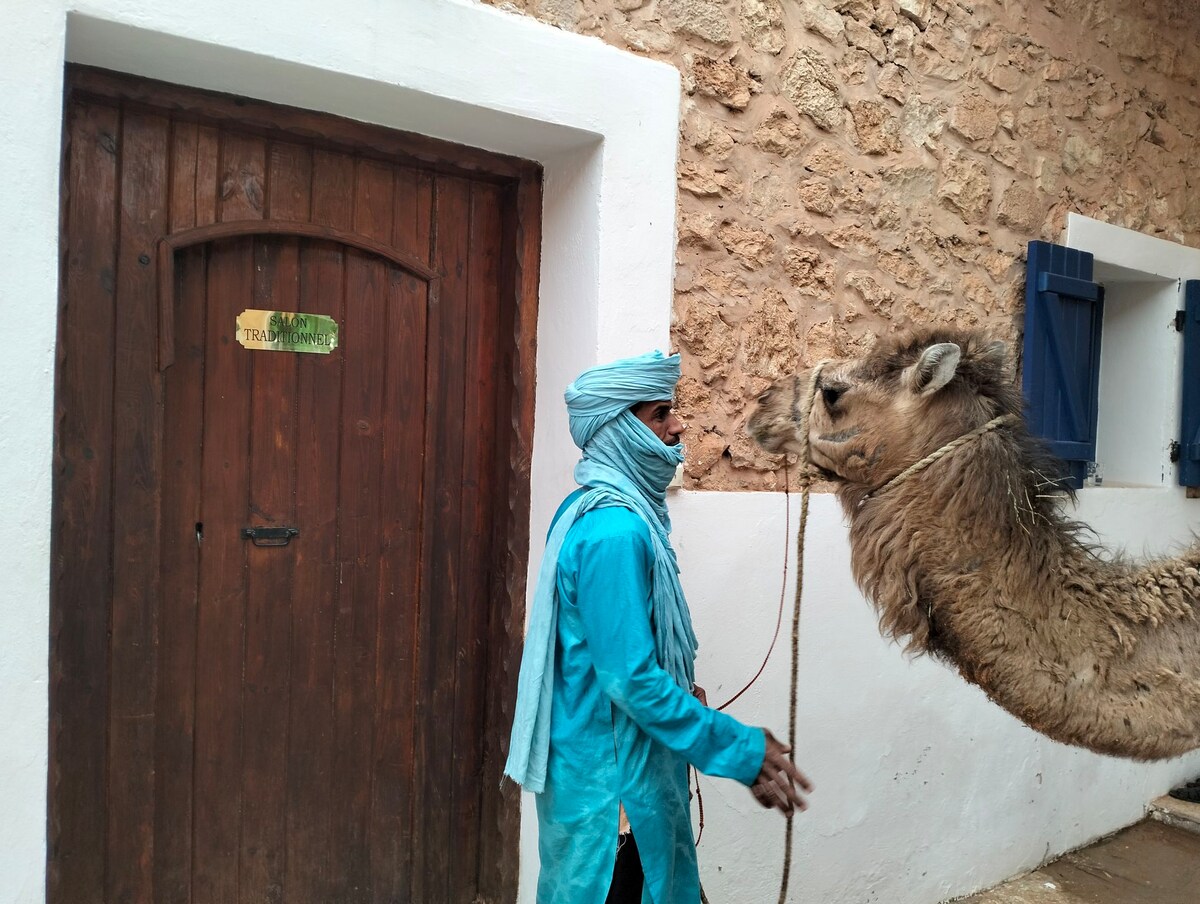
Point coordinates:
[[806, 478]]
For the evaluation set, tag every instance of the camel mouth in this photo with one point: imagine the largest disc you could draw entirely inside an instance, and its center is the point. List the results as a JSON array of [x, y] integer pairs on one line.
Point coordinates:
[[840, 437], [831, 476], [821, 460]]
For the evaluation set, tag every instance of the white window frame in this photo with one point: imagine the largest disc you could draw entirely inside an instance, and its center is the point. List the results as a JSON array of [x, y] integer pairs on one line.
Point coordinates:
[[1140, 350]]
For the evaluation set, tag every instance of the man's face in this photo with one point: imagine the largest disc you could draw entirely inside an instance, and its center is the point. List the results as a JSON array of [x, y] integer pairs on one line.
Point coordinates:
[[661, 418]]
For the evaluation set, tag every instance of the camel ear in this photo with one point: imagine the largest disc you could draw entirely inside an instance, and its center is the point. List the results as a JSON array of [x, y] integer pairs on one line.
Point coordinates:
[[934, 369]]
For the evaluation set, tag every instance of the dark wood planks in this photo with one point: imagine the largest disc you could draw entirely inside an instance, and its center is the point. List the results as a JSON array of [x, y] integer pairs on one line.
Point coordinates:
[[271, 706], [481, 362], [270, 583], [136, 457], [446, 386], [208, 165], [404, 393], [500, 812], [82, 533], [278, 122], [221, 624], [358, 546], [182, 536], [265, 680], [311, 872]]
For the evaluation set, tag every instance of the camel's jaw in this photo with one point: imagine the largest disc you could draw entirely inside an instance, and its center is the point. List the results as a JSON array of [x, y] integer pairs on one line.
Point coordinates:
[[826, 468], [771, 424], [771, 439], [784, 437], [825, 452]]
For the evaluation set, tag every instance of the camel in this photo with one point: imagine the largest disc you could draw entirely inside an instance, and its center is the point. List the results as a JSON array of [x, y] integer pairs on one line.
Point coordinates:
[[972, 560]]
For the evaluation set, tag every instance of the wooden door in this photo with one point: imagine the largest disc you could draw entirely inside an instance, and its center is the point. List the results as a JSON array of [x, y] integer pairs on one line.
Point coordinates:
[[321, 720]]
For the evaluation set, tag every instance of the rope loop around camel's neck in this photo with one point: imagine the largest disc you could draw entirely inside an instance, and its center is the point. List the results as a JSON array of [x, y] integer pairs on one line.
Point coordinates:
[[918, 466]]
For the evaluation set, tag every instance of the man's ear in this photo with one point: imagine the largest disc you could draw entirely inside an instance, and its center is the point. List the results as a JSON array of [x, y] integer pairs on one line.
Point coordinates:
[[934, 369]]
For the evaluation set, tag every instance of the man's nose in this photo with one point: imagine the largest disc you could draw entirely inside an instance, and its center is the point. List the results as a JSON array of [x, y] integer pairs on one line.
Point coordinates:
[[677, 425]]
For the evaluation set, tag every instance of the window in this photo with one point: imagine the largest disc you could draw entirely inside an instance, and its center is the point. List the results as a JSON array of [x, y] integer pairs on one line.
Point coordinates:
[[1102, 358]]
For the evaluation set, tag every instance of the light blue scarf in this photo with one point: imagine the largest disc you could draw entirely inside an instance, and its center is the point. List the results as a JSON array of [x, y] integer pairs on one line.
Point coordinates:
[[624, 463]]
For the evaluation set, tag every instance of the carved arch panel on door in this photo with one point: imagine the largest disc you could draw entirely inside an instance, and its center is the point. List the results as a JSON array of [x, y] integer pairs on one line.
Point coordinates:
[[170, 245]]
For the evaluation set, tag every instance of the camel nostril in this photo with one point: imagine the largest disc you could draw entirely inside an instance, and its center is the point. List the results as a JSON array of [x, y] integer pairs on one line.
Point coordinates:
[[830, 395]]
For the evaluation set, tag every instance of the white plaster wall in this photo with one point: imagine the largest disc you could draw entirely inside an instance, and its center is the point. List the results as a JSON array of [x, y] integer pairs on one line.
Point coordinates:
[[924, 789], [29, 152]]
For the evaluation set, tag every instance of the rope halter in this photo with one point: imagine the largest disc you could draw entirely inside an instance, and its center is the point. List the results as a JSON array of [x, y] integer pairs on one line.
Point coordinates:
[[918, 466], [802, 408]]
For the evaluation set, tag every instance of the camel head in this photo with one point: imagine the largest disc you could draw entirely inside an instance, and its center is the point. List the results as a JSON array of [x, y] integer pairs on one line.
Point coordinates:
[[972, 559], [873, 416]]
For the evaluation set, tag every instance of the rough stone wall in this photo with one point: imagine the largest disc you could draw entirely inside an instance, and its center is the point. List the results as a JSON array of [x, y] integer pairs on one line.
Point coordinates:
[[849, 168]]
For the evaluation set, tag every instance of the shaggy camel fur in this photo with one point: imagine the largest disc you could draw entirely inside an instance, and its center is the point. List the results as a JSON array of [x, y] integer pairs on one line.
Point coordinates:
[[972, 560]]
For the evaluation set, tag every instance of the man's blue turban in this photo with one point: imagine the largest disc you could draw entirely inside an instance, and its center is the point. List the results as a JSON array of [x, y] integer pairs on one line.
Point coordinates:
[[601, 393]]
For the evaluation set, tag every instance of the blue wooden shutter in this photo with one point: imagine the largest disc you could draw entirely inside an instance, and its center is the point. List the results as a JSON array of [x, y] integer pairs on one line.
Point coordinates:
[[1189, 440], [1064, 309]]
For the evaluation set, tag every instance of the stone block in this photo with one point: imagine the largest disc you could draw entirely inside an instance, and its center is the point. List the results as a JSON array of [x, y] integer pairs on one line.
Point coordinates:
[[808, 82], [706, 182], [1079, 155], [876, 130], [753, 247], [697, 231], [703, 450], [826, 159], [779, 134], [965, 187], [922, 123], [809, 271], [708, 20], [900, 44], [721, 79], [916, 11], [816, 196], [878, 297], [861, 36], [894, 82], [763, 25], [822, 20], [1004, 77], [974, 117]]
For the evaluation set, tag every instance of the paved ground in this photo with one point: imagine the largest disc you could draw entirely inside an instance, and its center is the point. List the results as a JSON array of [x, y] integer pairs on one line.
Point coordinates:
[[1156, 861]]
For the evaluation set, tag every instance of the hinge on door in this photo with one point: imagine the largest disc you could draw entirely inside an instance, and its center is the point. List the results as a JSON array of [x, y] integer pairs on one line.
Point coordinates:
[[1176, 451], [1180, 317]]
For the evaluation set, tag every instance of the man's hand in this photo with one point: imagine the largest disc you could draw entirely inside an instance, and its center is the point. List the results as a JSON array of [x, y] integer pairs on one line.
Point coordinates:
[[698, 693], [778, 778]]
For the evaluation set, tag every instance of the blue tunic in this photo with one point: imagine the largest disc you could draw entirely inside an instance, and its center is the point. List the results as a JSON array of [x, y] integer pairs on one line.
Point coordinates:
[[621, 730]]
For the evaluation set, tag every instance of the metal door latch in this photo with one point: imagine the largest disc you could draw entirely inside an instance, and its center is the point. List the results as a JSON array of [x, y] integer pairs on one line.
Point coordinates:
[[270, 536]]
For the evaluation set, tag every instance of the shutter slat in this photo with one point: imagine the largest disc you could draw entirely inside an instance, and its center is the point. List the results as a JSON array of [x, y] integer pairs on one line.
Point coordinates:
[[1059, 355], [1071, 451], [1061, 363], [1189, 421], [1067, 285]]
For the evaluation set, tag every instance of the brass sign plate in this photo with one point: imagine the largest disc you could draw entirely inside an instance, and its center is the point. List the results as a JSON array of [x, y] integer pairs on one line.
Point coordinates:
[[286, 331]]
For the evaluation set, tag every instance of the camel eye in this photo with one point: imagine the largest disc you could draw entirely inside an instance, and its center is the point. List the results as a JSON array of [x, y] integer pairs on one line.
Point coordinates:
[[831, 394]]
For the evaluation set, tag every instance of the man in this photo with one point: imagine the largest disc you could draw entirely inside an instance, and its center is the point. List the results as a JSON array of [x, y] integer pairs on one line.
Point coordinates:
[[608, 714]]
